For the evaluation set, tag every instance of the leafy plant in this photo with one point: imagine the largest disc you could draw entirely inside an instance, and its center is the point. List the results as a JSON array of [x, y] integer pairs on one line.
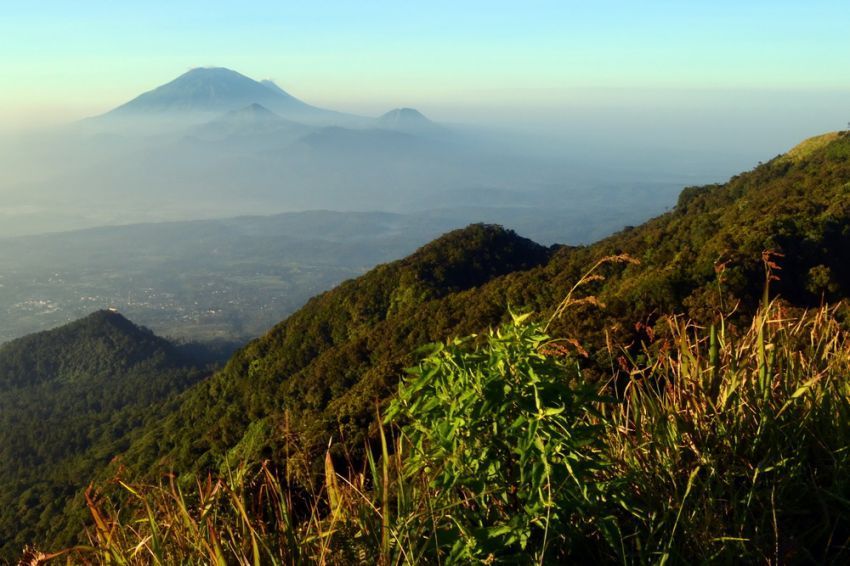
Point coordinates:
[[498, 425]]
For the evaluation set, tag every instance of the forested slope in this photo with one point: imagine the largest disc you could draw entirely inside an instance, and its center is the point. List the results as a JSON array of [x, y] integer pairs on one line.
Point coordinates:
[[328, 364], [70, 400]]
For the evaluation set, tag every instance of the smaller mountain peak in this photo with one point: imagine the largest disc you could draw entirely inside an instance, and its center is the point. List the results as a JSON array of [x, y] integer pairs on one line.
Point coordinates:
[[408, 120], [111, 317], [472, 255], [255, 108], [254, 113], [254, 119], [404, 114]]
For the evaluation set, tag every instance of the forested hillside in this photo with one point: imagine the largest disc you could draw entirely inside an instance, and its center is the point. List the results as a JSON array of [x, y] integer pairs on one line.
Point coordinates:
[[70, 400], [328, 364], [322, 373], [313, 363]]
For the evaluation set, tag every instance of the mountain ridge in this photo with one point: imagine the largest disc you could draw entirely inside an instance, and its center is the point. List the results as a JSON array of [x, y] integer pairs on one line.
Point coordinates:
[[332, 388], [71, 398]]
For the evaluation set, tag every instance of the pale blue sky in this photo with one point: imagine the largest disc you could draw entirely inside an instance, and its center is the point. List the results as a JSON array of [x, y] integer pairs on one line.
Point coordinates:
[[65, 59]]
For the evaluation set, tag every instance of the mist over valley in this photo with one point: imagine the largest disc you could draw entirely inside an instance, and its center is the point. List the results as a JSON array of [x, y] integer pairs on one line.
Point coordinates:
[[214, 143], [108, 211]]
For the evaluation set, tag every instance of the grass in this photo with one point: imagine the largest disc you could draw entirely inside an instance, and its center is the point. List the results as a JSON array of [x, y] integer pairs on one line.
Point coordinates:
[[809, 146], [712, 444], [737, 449]]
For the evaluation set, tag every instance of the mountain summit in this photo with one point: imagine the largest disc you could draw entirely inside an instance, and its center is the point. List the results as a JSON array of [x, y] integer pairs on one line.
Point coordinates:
[[252, 120], [217, 90], [119, 345], [255, 111], [408, 120], [70, 398]]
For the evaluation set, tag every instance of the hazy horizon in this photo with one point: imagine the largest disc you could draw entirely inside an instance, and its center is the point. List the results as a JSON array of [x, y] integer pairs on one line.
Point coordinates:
[[559, 97], [491, 63]]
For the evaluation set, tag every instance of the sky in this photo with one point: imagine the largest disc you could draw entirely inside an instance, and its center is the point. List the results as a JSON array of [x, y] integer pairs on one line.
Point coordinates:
[[88, 56], [608, 64]]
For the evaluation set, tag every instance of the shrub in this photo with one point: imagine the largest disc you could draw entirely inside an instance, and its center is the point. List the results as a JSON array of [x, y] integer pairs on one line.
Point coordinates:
[[498, 427]]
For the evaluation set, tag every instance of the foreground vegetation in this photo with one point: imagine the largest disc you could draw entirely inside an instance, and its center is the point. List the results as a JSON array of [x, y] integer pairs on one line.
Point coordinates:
[[705, 444]]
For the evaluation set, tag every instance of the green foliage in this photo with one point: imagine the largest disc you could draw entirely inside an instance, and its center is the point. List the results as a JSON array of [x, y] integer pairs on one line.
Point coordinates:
[[499, 427], [71, 399]]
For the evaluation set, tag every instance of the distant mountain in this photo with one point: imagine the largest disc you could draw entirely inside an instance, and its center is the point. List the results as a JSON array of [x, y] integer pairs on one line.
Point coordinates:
[[215, 143], [409, 120], [209, 91], [70, 400], [254, 120]]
